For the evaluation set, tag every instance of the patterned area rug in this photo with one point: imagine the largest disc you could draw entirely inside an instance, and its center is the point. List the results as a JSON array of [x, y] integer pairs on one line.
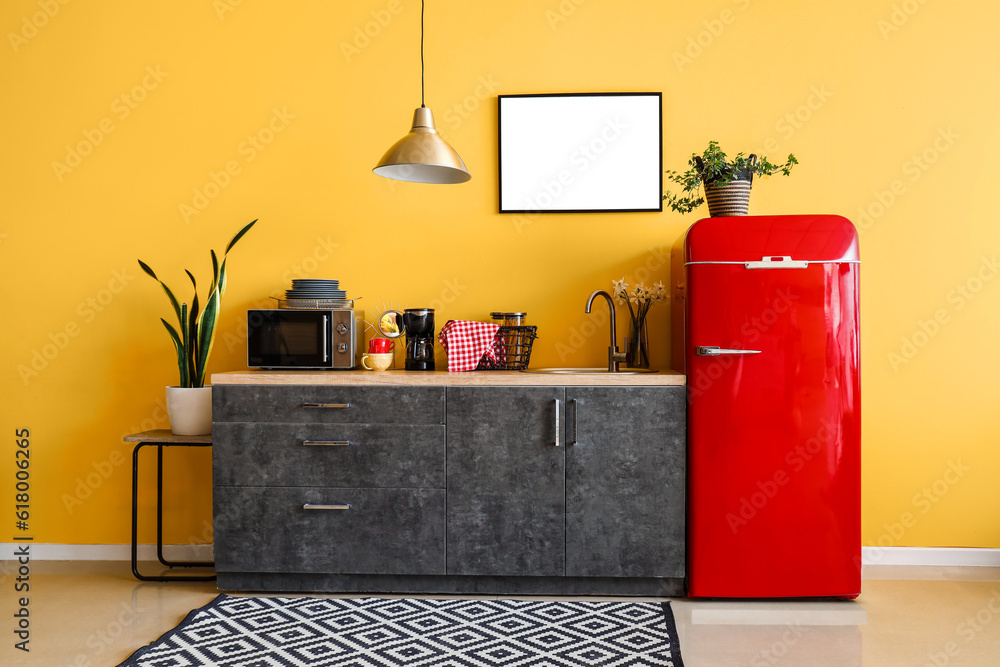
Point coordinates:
[[376, 632]]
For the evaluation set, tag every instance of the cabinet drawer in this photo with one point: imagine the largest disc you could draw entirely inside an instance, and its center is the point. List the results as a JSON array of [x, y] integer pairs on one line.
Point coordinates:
[[384, 531], [290, 403], [330, 455]]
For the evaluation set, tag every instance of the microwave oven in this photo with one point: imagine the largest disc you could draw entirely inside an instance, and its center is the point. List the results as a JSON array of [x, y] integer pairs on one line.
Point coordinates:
[[292, 338]]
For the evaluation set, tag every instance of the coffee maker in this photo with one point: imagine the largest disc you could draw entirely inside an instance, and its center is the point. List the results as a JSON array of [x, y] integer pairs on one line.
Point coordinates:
[[419, 326]]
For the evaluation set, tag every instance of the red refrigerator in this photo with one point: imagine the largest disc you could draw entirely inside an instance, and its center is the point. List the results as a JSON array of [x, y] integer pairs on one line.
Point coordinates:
[[766, 328]]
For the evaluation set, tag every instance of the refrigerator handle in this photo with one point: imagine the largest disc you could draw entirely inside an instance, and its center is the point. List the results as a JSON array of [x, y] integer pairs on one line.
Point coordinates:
[[777, 262], [715, 350]]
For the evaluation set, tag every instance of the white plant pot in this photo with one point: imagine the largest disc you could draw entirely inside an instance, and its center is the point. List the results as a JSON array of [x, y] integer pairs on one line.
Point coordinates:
[[190, 410]]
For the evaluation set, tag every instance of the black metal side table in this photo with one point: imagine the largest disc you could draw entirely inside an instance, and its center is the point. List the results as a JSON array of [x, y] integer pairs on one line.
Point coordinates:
[[160, 439]]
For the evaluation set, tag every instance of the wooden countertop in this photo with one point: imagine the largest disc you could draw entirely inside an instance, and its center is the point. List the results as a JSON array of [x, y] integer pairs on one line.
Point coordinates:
[[444, 378]]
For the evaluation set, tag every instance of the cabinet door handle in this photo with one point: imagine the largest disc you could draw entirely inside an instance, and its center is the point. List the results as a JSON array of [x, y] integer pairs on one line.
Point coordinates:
[[576, 422], [327, 443], [307, 506], [557, 422], [326, 405]]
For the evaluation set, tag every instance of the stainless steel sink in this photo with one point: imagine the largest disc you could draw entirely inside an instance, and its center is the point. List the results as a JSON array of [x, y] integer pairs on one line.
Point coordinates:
[[588, 371]]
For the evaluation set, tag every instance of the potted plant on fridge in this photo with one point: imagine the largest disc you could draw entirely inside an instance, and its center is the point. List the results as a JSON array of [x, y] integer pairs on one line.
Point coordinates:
[[189, 405], [727, 182]]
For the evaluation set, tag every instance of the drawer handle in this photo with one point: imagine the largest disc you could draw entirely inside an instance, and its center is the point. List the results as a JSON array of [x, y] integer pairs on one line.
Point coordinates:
[[328, 443], [325, 507], [326, 405]]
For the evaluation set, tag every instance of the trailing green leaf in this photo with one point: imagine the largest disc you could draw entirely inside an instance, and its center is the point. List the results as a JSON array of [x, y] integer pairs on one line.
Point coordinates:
[[714, 168]]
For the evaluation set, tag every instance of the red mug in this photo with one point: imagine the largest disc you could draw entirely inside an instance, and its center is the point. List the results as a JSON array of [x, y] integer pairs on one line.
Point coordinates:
[[380, 345]]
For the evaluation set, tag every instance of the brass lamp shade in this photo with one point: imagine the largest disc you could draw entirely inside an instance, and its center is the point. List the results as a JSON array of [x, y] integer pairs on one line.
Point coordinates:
[[422, 156]]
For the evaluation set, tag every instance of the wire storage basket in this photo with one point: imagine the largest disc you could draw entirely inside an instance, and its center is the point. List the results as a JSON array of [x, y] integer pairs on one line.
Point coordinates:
[[512, 349]]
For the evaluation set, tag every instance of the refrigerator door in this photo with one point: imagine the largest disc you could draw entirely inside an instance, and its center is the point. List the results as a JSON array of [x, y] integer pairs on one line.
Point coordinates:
[[774, 413]]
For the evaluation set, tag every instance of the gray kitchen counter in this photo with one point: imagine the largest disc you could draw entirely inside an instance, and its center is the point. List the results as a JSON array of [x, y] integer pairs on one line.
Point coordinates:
[[445, 379]]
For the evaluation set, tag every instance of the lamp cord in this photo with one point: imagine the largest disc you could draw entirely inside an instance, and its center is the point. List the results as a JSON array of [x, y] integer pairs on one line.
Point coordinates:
[[422, 53]]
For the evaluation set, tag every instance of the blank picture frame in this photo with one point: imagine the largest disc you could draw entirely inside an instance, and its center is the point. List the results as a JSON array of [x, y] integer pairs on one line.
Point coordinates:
[[580, 152]]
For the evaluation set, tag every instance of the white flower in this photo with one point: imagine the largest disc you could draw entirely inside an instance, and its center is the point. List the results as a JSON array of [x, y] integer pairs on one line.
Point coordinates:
[[620, 290]]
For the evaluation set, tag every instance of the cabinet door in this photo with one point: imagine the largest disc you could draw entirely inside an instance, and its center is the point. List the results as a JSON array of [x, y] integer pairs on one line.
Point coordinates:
[[625, 480], [505, 481]]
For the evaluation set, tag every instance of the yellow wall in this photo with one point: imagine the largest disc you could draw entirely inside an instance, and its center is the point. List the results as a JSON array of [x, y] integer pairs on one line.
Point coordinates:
[[857, 90]]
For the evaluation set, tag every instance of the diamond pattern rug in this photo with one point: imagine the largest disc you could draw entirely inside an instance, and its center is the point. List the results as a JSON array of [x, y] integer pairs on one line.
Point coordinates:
[[377, 632]]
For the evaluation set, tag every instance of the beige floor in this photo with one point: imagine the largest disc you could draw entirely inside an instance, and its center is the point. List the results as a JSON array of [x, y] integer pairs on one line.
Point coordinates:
[[89, 614]]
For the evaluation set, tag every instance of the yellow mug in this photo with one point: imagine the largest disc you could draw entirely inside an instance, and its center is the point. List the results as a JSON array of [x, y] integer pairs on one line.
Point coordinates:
[[379, 361]]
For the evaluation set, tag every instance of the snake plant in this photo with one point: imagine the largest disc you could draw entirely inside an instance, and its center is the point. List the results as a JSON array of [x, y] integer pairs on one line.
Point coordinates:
[[193, 341]]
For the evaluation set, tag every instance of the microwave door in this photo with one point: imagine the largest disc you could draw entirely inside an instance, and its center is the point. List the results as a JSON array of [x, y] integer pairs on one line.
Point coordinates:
[[297, 340], [288, 339]]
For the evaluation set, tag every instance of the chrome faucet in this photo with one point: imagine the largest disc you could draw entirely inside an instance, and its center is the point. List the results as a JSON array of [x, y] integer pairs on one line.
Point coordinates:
[[614, 356]]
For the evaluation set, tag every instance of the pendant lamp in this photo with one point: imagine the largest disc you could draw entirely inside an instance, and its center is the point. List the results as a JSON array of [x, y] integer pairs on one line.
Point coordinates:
[[422, 156]]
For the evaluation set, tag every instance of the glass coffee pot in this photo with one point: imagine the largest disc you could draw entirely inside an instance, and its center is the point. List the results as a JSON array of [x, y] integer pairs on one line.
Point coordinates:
[[419, 326]]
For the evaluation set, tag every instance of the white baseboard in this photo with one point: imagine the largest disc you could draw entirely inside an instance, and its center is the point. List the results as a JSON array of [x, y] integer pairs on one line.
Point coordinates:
[[936, 556], [939, 556], [111, 552]]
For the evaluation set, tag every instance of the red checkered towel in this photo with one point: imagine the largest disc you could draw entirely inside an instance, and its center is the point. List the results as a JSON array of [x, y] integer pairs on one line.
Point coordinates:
[[466, 342]]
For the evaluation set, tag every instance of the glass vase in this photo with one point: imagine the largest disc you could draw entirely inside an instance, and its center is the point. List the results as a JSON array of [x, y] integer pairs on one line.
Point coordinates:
[[637, 346]]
